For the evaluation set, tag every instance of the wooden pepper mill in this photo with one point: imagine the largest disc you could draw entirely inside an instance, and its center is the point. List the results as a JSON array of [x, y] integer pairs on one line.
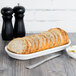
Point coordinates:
[[19, 29], [7, 28]]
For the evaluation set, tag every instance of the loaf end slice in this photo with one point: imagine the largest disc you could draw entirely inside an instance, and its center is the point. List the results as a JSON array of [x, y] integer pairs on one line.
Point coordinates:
[[18, 45]]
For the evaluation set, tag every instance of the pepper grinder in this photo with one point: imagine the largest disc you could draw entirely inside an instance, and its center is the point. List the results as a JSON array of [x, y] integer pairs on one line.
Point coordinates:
[[7, 28], [19, 29]]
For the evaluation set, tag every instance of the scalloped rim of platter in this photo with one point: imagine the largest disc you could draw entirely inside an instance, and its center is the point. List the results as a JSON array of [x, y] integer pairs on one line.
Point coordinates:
[[37, 54]]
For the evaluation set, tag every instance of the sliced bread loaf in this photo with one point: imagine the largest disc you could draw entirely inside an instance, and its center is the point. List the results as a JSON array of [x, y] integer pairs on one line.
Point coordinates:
[[29, 44]]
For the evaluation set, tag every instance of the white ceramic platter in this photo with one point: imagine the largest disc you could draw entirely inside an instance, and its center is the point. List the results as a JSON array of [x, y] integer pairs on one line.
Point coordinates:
[[37, 54]]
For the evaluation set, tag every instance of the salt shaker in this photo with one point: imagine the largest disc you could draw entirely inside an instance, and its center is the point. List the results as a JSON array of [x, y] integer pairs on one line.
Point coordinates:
[[7, 28], [19, 28]]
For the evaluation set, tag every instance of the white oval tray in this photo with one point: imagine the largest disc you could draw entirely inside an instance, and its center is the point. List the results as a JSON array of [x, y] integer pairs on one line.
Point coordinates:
[[37, 54]]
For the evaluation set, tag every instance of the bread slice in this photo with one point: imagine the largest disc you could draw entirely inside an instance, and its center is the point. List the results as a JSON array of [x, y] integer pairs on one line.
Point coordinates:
[[56, 37], [63, 34], [36, 40], [29, 45], [32, 47], [41, 41], [45, 41], [48, 40], [18, 45], [66, 36], [53, 37]]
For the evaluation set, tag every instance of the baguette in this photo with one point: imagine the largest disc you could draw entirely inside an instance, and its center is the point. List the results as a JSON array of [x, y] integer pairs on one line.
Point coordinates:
[[38, 42]]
